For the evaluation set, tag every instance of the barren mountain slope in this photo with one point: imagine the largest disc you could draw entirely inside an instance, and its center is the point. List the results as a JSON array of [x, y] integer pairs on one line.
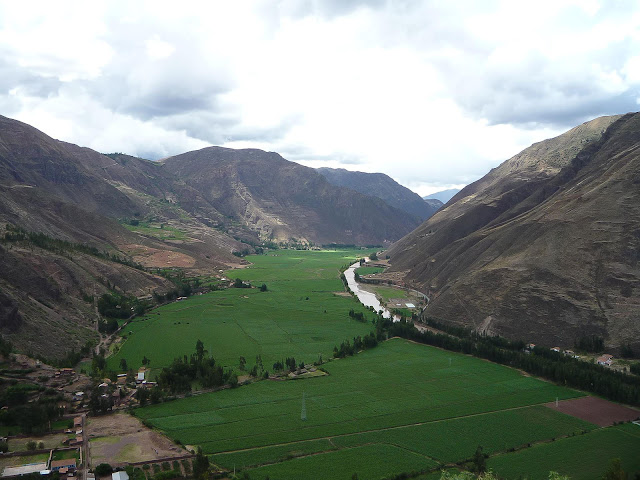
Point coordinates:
[[281, 199], [545, 247], [384, 187]]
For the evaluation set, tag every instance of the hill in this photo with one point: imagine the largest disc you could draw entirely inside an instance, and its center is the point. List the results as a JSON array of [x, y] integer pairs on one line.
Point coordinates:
[[106, 223], [384, 187], [280, 200], [545, 246], [444, 195]]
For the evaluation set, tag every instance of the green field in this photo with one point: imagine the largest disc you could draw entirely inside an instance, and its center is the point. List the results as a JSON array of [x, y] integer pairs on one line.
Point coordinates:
[[298, 316], [368, 270], [410, 406], [400, 407], [386, 293], [583, 456]]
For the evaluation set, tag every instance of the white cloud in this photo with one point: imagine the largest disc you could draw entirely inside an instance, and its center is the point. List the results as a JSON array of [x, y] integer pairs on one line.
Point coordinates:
[[431, 93]]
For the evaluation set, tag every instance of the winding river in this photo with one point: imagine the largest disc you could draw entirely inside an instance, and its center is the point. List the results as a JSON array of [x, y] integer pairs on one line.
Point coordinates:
[[368, 299]]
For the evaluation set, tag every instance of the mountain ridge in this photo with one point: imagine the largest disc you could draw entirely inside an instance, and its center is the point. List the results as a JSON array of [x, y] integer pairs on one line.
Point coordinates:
[[530, 252], [383, 187]]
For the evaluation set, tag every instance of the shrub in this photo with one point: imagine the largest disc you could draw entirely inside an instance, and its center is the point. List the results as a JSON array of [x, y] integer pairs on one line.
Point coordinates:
[[103, 469]]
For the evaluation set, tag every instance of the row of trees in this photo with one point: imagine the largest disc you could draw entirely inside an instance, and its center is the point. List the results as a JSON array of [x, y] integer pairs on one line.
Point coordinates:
[[346, 348], [16, 234]]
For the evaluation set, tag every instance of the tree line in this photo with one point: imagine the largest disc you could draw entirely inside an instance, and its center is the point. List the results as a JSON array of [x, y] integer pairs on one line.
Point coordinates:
[[16, 234], [540, 361]]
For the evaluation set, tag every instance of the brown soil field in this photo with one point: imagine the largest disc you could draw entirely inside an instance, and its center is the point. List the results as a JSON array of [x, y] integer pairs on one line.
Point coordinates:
[[596, 410], [120, 438], [153, 257]]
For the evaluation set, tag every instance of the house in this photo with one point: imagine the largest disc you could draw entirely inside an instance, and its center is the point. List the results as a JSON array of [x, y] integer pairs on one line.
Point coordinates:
[[556, 349], [605, 359], [69, 464], [119, 476], [140, 377], [531, 346], [77, 422]]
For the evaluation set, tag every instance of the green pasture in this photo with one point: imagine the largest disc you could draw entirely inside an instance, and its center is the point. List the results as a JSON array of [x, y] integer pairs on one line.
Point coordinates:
[[368, 270], [298, 316], [386, 293], [373, 462], [425, 406], [580, 457]]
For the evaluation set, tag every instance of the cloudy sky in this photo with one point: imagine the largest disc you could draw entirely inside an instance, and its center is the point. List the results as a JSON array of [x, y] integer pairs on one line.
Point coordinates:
[[433, 93]]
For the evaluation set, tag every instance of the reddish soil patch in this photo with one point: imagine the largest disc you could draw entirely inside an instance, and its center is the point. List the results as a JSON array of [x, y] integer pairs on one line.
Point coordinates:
[[153, 257], [596, 410]]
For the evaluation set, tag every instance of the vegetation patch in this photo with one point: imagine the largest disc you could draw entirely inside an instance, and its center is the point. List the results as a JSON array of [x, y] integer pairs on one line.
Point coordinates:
[[581, 456], [248, 322], [398, 393]]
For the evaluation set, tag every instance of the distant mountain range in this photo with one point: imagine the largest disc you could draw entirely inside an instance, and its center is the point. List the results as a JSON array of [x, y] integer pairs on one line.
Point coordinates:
[[383, 187], [443, 196], [545, 247], [197, 211]]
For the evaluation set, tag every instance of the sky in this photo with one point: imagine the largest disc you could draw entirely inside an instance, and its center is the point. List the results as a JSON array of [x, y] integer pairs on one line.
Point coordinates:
[[432, 93]]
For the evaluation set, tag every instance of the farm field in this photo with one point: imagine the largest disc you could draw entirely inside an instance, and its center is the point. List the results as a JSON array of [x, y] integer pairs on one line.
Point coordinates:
[[415, 407], [298, 316], [368, 270], [583, 456]]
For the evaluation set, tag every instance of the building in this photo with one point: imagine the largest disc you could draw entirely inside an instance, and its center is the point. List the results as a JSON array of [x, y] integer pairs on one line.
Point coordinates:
[[605, 359], [119, 476], [69, 464]]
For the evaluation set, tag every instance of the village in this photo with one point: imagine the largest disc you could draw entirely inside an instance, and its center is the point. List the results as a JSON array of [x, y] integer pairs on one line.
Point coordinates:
[[111, 446]]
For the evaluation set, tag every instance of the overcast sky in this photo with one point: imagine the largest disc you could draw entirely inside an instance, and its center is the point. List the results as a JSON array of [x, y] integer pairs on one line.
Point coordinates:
[[432, 93]]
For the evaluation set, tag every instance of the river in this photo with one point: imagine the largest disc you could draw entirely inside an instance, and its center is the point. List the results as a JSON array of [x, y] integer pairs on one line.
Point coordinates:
[[368, 299]]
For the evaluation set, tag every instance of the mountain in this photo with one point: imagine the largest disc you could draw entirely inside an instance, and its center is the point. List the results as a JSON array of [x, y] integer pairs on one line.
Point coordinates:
[[545, 247], [444, 195], [384, 187], [280, 200], [76, 224]]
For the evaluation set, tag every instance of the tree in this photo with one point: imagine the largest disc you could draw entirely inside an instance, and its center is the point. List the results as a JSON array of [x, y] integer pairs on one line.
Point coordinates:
[[479, 462], [200, 350], [615, 472], [145, 360], [31, 445], [103, 469], [98, 363], [123, 364], [243, 363], [142, 394], [200, 465], [263, 287]]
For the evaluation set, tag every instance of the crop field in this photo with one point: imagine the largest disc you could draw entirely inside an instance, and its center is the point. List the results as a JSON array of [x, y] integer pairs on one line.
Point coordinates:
[[583, 456], [386, 293], [299, 315], [397, 408], [368, 270]]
